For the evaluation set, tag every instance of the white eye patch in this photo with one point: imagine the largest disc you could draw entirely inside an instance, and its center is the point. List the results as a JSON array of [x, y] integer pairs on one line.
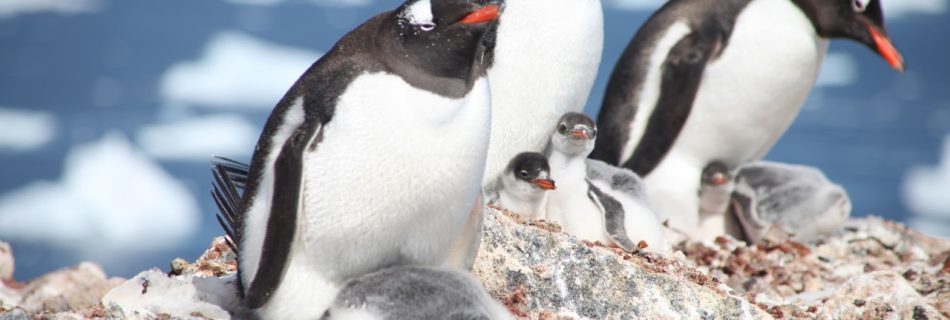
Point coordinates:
[[419, 13], [860, 5]]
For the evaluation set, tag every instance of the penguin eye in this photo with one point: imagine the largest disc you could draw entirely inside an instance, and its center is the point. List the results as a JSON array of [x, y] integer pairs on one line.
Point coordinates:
[[523, 173], [562, 128], [860, 5], [427, 26]]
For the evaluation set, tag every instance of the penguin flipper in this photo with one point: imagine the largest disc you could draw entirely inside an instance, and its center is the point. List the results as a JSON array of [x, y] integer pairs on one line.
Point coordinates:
[[230, 177], [289, 169], [613, 217], [682, 74]]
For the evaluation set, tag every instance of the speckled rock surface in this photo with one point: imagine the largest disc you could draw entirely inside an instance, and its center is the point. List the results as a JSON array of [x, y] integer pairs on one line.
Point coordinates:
[[795, 280], [541, 274]]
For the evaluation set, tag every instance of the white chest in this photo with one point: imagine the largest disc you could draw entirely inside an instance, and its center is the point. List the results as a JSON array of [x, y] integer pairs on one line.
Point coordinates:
[[752, 92], [546, 59], [395, 175]]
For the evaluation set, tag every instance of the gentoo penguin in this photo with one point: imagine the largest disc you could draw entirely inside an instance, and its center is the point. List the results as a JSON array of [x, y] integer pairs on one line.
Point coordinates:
[[523, 188], [334, 189], [595, 201], [545, 61], [720, 80], [797, 199], [413, 292]]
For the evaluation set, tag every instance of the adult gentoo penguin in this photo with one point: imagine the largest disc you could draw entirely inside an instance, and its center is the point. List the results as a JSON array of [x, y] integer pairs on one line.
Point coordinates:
[[413, 292], [523, 188], [720, 80], [595, 201], [545, 61], [373, 158]]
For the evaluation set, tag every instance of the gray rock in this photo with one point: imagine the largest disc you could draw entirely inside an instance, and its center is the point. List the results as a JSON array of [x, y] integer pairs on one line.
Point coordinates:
[[67, 289], [541, 274]]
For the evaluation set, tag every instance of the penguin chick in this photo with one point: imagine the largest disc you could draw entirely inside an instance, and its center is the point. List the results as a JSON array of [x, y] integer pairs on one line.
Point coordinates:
[[524, 186], [596, 201], [413, 292], [797, 199]]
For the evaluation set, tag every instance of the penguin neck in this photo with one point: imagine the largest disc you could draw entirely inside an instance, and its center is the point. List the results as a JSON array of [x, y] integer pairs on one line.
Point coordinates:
[[567, 168]]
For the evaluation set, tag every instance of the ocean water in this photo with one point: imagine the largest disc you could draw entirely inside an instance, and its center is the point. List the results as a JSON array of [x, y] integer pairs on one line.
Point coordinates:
[[110, 110]]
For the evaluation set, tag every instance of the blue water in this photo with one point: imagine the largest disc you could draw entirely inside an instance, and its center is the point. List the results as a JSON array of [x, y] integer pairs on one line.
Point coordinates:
[[864, 135]]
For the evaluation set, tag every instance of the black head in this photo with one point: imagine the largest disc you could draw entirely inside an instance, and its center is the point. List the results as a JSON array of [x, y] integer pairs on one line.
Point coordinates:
[[438, 44], [716, 173], [860, 20], [533, 168]]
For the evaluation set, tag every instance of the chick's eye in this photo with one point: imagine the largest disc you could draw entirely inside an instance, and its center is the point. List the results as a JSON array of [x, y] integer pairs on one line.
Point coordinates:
[[562, 128], [427, 26], [860, 5], [523, 173]]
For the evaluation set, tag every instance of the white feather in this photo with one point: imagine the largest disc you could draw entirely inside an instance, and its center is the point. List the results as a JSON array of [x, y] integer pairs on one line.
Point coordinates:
[[546, 59]]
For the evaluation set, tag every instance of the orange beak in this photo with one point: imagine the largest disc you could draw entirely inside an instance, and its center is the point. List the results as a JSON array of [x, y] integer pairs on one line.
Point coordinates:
[[582, 134], [887, 50], [483, 14], [546, 184]]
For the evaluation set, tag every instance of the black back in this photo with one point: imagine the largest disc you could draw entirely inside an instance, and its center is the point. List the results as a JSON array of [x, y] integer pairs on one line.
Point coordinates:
[[711, 23], [445, 60]]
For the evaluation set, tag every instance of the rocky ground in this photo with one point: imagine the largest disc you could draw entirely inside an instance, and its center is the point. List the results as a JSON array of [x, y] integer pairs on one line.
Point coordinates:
[[872, 269]]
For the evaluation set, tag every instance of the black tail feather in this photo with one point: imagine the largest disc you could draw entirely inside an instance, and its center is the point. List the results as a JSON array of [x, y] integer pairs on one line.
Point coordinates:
[[230, 178]]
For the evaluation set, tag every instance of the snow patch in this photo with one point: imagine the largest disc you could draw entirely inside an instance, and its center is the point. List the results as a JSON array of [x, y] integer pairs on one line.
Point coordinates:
[[197, 139], [896, 9], [329, 3], [635, 5], [837, 69], [12, 8], [926, 192], [111, 200], [236, 70], [25, 130]]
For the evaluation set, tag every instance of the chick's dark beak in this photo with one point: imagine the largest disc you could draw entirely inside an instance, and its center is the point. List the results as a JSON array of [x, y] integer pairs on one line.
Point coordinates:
[[546, 184], [886, 49], [484, 14]]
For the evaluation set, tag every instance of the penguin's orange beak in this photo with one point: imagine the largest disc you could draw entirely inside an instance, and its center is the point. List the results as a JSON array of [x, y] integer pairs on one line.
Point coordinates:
[[886, 49], [719, 179], [546, 184], [483, 14]]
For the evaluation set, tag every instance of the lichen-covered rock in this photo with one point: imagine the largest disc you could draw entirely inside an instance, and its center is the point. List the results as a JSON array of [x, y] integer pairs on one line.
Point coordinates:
[[67, 289], [877, 295], [792, 279], [541, 274]]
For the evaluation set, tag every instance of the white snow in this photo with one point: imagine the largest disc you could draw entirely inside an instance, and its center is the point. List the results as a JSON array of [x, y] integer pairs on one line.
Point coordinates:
[[838, 69], [25, 130], [926, 192], [111, 200], [897, 9], [197, 139], [634, 5], [236, 70], [12, 8], [330, 3]]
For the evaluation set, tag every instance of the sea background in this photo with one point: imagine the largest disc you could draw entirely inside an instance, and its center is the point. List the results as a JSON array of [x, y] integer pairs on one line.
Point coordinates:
[[110, 111]]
